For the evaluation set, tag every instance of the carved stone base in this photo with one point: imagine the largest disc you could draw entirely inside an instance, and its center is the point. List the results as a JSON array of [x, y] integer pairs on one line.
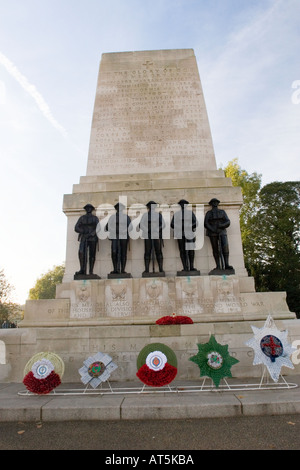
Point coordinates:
[[159, 274], [81, 277], [125, 342], [221, 272], [188, 273], [119, 276], [118, 301]]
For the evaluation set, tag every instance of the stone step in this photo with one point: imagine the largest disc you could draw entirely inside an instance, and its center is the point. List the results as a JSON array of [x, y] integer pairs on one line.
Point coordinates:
[[154, 175], [195, 195], [150, 184]]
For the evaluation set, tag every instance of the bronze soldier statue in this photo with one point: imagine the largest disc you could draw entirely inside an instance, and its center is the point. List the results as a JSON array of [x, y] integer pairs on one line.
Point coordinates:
[[152, 225], [216, 222], [119, 225], [184, 223], [88, 240]]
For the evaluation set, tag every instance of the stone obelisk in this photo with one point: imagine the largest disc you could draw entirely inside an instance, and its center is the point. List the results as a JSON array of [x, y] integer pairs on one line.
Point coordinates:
[[149, 115]]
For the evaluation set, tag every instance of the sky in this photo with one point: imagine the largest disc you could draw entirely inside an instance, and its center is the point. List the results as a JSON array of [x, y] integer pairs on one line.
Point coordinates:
[[248, 58]]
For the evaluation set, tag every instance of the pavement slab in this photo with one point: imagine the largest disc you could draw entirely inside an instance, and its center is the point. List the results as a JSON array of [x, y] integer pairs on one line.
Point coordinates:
[[130, 401]]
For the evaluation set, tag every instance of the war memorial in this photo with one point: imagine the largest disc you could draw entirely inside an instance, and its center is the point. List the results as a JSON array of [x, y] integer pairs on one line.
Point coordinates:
[[151, 163]]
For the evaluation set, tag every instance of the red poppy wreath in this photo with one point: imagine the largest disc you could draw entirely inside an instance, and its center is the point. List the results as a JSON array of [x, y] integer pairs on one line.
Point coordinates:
[[43, 373], [157, 365], [174, 320]]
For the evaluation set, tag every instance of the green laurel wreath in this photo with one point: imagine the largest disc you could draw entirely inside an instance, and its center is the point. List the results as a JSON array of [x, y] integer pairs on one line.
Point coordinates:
[[202, 359]]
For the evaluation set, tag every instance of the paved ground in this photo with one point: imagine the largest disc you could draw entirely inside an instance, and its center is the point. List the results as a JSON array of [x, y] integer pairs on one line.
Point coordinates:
[[156, 404], [239, 433], [182, 421]]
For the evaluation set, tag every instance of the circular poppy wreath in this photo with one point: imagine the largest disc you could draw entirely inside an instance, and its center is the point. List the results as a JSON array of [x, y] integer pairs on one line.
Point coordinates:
[[157, 365], [43, 373]]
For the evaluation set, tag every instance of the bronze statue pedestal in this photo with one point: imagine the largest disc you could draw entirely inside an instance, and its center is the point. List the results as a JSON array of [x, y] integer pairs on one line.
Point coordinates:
[[154, 274], [221, 272], [188, 273], [80, 277], [119, 276]]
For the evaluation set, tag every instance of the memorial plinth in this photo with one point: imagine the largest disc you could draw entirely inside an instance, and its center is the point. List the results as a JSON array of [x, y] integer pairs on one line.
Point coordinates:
[[150, 140]]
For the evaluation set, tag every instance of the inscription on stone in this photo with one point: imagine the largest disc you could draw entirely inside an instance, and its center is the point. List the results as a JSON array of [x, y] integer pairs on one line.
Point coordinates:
[[149, 114]]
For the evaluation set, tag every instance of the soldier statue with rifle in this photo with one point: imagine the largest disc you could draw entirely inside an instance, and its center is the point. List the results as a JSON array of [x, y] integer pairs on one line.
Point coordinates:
[[152, 225], [88, 241], [216, 222], [184, 223], [119, 225]]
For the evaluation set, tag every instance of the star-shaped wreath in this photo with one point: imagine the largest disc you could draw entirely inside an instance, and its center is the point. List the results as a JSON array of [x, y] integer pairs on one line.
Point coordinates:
[[97, 369], [271, 348], [214, 360]]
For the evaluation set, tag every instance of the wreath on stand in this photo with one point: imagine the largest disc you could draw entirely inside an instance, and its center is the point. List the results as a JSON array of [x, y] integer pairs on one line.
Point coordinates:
[[214, 360], [157, 365], [43, 373], [271, 348], [97, 369]]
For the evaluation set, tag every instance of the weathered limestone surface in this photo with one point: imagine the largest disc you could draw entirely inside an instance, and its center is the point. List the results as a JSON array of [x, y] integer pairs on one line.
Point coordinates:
[[124, 342], [145, 300], [149, 114]]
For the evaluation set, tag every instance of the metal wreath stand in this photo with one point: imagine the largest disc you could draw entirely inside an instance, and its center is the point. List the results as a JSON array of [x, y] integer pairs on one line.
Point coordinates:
[[264, 384]]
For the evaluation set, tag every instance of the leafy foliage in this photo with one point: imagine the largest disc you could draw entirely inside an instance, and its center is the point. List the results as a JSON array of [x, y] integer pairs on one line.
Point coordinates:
[[270, 230], [45, 286], [275, 241], [250, 185], [9, 311]]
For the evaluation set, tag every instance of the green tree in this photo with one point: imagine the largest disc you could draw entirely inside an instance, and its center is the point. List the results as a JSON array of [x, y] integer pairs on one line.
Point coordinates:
[[275, 241], [9, 311], [250, 185], [45, 286], [270, 230]]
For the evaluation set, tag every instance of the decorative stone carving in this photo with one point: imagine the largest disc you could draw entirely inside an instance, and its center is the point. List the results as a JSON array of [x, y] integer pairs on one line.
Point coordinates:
[[226, 300], [154, 297], [118, 298], [188, 296]]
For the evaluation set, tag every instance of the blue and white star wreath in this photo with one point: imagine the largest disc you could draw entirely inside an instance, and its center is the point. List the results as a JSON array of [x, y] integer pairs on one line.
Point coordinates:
[[97, 369], [271, 348]]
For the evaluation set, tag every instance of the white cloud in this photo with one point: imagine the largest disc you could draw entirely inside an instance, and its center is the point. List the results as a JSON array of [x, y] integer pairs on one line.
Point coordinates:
[[2, 92], [32, 91]]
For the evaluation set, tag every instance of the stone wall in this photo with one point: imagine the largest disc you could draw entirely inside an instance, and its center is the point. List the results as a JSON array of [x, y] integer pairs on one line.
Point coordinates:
[[123, 344]]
